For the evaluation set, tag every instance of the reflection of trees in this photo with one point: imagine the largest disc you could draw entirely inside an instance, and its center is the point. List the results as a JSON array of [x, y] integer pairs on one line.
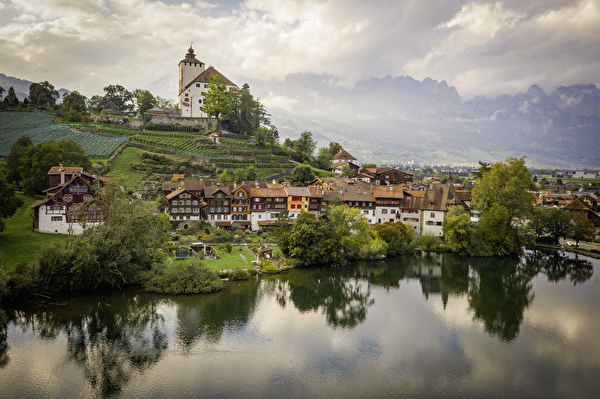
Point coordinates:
[[3, 338], [388, 273], [209, 315], [500, 295], [110, 340], [558, 266], [338, 294]]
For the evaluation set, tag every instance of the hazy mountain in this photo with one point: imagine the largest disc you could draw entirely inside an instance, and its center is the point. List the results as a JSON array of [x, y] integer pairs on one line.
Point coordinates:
[[22, 87], [398, 119]]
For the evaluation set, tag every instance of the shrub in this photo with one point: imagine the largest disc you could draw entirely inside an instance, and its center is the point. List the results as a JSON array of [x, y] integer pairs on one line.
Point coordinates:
[[228, 247], [191, 277], [268, 266], [238, 274]]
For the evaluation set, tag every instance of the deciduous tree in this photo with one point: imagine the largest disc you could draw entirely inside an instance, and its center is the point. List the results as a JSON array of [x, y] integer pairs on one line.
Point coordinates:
[[457, 227], [581, 229], [9, 202], [38, 159], [45, 90]]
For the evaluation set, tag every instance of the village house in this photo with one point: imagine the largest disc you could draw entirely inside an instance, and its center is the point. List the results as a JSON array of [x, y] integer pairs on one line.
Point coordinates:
[[579, 207], [298, 199], [68, 201], [218, 197], [240, 204], [184, 204], [266, 204]]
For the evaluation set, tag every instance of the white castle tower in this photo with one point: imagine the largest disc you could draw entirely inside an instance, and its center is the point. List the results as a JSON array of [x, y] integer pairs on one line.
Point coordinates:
[[189, 68]]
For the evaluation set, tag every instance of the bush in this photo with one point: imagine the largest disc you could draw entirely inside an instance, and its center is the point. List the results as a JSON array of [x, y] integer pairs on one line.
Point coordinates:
[[228, 248], [268, 266], [191, 277], [238, 274]]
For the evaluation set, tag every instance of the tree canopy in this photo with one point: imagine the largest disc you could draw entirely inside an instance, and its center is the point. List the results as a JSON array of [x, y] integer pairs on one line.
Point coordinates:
[[9, 202], [42, 93], [39, 159]]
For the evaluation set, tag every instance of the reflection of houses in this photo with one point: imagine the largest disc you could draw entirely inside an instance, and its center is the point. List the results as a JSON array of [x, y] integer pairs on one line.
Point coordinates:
[[67, 202]]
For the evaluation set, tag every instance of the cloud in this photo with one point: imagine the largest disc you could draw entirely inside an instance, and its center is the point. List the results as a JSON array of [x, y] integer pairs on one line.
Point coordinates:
[[478, 47]]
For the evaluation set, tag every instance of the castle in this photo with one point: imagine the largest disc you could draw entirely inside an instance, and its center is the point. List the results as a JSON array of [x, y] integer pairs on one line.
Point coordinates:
[[194, 78]]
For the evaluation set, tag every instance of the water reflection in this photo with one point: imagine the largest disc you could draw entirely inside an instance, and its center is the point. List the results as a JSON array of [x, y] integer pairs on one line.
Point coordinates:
[[338, 294], [208, 316], [3, 338], [111, 340], [116, 338]]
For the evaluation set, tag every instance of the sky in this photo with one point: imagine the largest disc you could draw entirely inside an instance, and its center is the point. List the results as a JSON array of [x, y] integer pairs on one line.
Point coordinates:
[[479, 47]]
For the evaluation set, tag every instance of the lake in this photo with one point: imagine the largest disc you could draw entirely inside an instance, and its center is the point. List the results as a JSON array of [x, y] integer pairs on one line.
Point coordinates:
[[418, 326]]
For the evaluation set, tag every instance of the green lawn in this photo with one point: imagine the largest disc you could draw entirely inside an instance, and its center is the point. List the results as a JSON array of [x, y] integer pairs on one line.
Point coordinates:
[[18, 243], [230, 261], [120, 167]]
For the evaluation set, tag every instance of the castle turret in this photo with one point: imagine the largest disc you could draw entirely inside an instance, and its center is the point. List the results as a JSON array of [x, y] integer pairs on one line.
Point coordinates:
[[189, 68]]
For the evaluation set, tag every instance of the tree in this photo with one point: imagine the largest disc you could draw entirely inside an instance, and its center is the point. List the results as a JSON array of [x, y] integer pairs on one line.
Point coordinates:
[[581, 228], [502, 194], [13, 160], [75, 101], [261, 137], [302, 175], [398, 236], [323, 159], [11, 97], [246, 114], [39, 159], [349, 230], [224, 177], [144, 100], [456, 227], [484, 167], [558, 223], [347, 171], [559, 181], [251, 173], [217, 101], [334, 148], [309, 242], [305, 146], [119, 96], [9, 202], [73, 116], [45, 90]]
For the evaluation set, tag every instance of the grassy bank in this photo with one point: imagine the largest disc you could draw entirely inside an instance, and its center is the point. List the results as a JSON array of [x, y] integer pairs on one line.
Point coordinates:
[[19, 243]]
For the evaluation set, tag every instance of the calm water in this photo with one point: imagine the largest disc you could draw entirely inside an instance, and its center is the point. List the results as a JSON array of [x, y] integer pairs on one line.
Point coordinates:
[[430, 326]]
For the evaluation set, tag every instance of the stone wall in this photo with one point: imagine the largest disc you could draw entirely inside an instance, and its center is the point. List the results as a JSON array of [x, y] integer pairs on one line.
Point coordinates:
[[115, 120], [204, 122]]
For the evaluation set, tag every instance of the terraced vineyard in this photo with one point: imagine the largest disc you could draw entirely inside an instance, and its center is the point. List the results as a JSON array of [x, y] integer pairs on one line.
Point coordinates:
[[40, 128], [185, 143]]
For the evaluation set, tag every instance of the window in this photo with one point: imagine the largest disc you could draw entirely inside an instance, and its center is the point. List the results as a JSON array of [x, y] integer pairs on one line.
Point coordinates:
[[240, 194], [205, 86], [67, 198], [87, 197], [197, 84], [196, 210], [218, 217], [384, 211], [256, 199], [78, 189], [219, 195], [234, 209], [293, 206], [174, 210], [194, 202], [188, 202], [432, 214], [200, 101], [226, 202], [188, 210], [56, 218]]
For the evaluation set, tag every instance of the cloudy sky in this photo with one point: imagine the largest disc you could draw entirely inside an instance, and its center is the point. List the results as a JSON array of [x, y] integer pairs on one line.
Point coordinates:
[[479, 47]]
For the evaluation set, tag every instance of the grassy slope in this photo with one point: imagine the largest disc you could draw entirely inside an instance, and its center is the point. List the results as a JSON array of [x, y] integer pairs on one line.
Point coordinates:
[[120, 167], [18, 243]]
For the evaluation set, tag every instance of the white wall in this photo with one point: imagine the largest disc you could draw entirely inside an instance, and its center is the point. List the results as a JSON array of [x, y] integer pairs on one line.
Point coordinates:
[[437, 218]]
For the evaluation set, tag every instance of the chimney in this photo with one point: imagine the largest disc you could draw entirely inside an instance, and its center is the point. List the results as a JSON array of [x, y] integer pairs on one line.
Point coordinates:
[[62, 173]]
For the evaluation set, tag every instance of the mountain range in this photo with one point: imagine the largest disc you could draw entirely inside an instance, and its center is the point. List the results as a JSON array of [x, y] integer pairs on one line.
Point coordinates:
[[401, 119]]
